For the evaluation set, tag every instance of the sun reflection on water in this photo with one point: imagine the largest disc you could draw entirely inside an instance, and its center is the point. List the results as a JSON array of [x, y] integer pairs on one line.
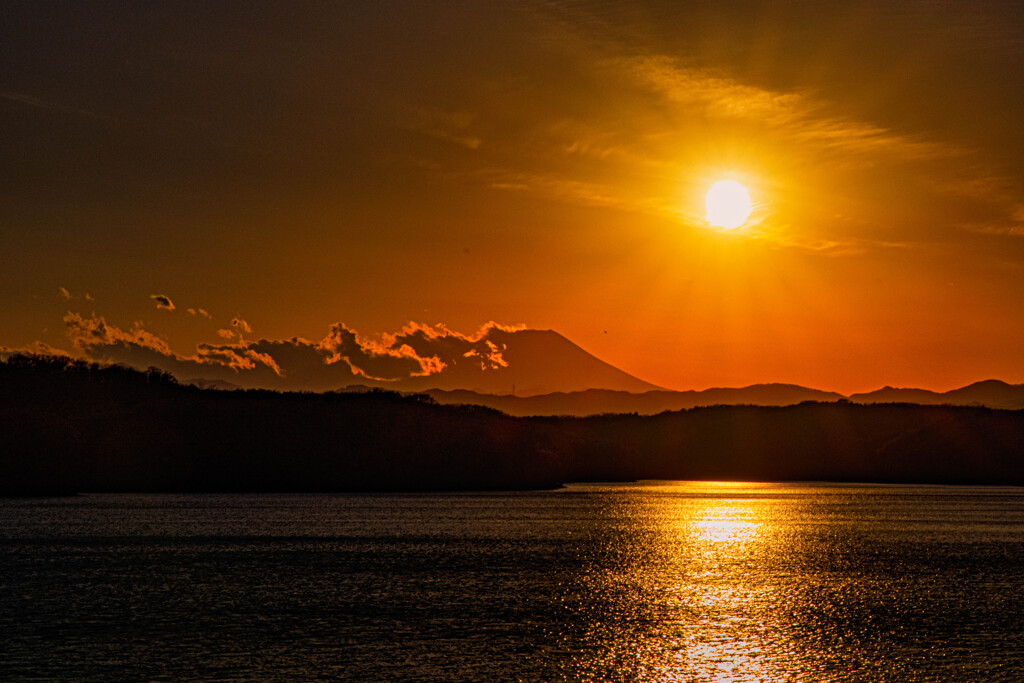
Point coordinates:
[[705, 593], [724, 524]]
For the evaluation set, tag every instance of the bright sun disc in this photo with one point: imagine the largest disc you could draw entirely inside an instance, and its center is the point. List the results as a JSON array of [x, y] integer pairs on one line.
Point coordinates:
[[728, 204]]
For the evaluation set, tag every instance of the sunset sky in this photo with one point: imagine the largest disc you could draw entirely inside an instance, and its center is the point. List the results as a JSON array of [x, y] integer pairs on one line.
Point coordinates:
[[194, 177]]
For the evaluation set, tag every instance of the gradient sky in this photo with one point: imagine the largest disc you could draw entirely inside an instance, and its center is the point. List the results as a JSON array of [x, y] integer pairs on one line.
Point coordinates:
[[292, 165]]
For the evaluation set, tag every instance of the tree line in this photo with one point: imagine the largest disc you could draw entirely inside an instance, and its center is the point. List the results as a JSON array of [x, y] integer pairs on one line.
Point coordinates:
[[70, 426]]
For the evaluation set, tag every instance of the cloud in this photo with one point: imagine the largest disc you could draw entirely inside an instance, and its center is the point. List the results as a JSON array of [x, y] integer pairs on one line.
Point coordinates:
[[87, 333], [582, 192], [239, 329], [237, 357], [200, 312], [340, 359], [927, 180], [36, 348], [381, 361], [36, 103], [798, 115], [668, 124], [103, 342], [162, 301], [22, 98], [451, 126], [1003, 212], [67, 295], [452, 348]]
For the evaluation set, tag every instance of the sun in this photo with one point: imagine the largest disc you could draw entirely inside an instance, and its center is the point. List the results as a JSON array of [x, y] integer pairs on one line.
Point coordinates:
[[728, 204]]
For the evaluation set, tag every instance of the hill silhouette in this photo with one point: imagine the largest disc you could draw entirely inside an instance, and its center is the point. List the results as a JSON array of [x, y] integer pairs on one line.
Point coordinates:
[[69, 426], [599, 401], [989, 393], [992, 393]]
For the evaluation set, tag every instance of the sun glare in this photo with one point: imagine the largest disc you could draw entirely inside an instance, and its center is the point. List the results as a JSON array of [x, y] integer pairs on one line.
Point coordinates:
[[728, 204]]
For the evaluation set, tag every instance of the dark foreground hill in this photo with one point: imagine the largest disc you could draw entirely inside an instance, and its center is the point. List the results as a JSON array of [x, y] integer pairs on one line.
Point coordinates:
[[68, 426]]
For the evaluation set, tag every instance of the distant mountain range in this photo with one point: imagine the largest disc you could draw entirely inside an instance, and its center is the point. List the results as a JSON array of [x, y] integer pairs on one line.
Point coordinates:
[[540, 372], [990, 393], [600, 401]]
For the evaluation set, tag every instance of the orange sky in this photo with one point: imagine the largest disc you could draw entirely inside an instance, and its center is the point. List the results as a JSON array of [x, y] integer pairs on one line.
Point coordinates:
[[296, 165]]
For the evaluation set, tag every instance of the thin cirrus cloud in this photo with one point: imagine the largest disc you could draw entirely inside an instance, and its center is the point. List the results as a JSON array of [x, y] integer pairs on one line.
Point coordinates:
[[27, 100], [811, 156], [798, 115], [843, 147], [456, 127]]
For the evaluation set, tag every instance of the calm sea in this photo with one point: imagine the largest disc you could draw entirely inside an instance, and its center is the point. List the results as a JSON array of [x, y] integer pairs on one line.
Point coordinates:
[[661, 581]]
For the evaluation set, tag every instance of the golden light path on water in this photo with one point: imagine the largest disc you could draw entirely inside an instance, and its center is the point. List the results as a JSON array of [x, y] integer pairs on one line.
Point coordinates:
[[648, 581], [707, 594]]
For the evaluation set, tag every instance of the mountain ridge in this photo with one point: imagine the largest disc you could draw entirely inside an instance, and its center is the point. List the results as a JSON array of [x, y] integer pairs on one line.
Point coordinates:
[[526, 362], [603, 401], [991, 393]]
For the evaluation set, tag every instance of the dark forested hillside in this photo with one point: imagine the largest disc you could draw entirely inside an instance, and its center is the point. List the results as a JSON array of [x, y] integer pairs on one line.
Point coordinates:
[[80, 427], [68, 426]]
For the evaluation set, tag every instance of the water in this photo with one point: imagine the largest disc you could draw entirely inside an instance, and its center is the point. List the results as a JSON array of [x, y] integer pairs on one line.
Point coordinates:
[[670, 581]]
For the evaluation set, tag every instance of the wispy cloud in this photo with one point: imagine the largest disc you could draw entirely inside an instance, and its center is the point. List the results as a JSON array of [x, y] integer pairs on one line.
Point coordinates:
[[36, 103], [68, 295], [162, 302], [94, 332], [797, 115], [1011, 224], [580, 191], [35, 348], [456, 127], [667, 122], [237, 357], [22, 98]]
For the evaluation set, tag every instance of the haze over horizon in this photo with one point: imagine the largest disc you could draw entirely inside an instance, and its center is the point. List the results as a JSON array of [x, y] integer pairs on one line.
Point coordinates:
[[220, 183]]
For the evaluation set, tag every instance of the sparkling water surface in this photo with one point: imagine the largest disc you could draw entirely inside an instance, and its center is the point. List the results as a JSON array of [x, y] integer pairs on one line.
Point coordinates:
[[687, 581]]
